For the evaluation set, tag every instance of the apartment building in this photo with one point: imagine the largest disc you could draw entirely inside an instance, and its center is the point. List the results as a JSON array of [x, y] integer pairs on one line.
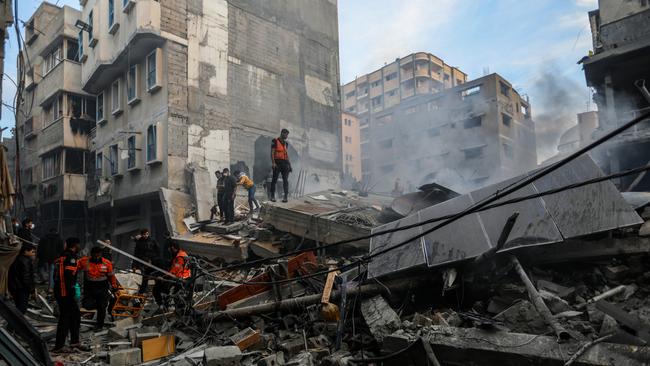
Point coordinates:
[[617, 70], [54, 119], [420, 73], [207, 83], [477, 133], [351, 146]]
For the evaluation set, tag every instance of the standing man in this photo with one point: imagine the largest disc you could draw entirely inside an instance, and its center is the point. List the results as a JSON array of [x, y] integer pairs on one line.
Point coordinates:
[[21, 277], [229, 193], [65, 281], [98, 279], [220, 195], [147, 250], [49, 249], [280, 163]]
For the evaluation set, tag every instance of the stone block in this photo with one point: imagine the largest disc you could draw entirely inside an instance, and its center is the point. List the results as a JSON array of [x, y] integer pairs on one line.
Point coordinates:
[[380, 317], [125, 357], [117, 333], [222, 356], [272, 360], [293, 346]]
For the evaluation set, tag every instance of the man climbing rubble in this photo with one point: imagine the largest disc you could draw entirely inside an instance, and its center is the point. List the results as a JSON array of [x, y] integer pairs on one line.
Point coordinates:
[[280, 163], [249, 185], [65, 293], [99, 278], [147, 250]]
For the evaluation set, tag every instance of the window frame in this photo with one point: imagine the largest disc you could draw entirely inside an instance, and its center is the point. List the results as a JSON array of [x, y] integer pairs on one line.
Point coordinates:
[[136, 97], [99, 164], [111, 13], [116, 103], [151, 87], [131, 161], [151, 154], [101, 96]]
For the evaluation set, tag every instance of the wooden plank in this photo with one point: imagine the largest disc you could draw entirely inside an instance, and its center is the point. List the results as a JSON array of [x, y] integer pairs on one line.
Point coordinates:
[[159, 347], [244, 291], [327, 290]]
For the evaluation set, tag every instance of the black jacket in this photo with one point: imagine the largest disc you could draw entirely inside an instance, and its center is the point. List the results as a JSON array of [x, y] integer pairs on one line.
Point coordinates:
[[147, 249], [65, 274], [229, 186], [25, 234], [50, 248], [21, 274]]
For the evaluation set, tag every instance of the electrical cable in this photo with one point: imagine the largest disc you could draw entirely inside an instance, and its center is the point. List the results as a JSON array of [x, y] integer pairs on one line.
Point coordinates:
[[476, 207], [436, 219]]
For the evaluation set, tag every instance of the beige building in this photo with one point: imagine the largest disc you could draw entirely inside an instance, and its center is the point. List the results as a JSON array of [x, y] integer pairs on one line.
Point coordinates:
[[207, 84], [464, 137], [54, 121], [420, 73], [351, 146]]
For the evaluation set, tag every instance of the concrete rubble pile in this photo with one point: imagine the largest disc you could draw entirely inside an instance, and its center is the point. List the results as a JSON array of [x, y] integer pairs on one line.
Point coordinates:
[[261, 295]]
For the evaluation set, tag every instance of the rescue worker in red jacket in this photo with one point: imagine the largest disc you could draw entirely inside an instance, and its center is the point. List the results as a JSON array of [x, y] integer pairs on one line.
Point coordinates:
[[280, 163], [65, 280], [98, 279], [179, 268]]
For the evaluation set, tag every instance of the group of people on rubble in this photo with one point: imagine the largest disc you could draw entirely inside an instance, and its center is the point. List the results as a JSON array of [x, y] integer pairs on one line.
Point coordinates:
[[228, 182], [60, 263]]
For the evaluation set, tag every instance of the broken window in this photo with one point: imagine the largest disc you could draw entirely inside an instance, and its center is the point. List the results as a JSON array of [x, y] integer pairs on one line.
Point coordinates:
[[475, 90], [74, 161], [386, 144], [81, 108], [506, 119], [72, 53], [433, 132], [505, 89], [151, 143], [391, 76], [472, 122], [113, 158], [51, 164], [473, 152], [507, 150]]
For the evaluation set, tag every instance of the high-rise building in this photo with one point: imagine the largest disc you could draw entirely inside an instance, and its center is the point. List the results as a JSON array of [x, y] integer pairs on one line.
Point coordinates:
[[54, 119], [464, 137], [208, 84], [351, 146], [420, 73], [618, 71]]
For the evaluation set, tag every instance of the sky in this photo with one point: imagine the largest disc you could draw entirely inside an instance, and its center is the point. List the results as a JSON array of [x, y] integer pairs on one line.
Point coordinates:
[[533, 44]]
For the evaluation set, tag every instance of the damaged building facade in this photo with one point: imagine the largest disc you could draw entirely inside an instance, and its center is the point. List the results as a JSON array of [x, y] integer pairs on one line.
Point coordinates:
[[467, 136], [208, 85], [618, 73], [54, 120]]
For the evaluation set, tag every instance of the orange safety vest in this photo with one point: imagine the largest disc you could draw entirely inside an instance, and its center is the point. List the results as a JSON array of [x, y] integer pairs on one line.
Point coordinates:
[[179, 265], [96, 272], [280, 152], [60, 262]]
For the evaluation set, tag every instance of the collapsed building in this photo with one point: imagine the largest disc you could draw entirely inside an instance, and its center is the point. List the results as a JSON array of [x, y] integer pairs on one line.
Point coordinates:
[[618, 73]]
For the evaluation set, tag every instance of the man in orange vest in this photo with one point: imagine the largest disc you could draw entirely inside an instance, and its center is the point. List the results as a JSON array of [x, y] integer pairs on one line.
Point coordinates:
[[179, 268], [280, 163], [99, 277]]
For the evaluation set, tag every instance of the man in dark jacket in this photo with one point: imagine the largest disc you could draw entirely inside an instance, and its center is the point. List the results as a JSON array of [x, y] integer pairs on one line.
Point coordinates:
[[21, 277], [25, 232], [148, 250], [50, 247], [229, 192], [65, 283]]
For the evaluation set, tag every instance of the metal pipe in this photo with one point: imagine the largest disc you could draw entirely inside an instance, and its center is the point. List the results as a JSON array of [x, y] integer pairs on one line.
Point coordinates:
[[640, 84], [604, 295], [138, 260], [536, 298]]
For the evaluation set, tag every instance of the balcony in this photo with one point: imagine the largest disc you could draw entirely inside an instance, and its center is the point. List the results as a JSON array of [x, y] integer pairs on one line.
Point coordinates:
[[138, 34], [66, 187], [65, 132], [64, 76]]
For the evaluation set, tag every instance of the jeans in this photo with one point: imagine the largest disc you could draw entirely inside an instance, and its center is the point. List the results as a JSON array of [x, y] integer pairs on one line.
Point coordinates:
[[251, 198]]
